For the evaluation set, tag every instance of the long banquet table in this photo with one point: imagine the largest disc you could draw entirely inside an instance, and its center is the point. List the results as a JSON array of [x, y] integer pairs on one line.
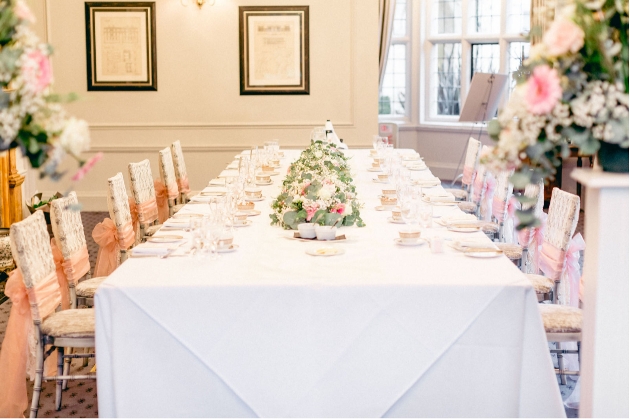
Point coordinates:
[[268, 330]]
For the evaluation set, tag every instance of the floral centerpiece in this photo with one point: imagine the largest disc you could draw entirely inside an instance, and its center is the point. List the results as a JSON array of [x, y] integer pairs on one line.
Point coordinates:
[[572, 88], [31, 116], [318, 189]]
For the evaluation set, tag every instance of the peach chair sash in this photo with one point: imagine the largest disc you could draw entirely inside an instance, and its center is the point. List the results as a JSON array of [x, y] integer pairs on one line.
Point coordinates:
[[162, 195], [534, 236], [16, 359], [467, 179], [105, 234], [147, 212], [69, 270], [183, 185], [133, 210], [554, 263]]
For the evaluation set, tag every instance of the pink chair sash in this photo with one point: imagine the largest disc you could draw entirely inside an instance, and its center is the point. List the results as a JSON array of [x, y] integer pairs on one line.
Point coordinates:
[[69, 270], [15, 356], [182, 184], [478, 186], [106, 235], [554, 262], [534, 236], [467, 179]]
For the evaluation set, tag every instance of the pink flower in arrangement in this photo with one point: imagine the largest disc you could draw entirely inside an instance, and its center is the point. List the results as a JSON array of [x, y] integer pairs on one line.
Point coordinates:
[[339, 208], [306, 185], [23, 12], [37, 70], [310, 212], [543, 90], [87, 166], [563, 36]]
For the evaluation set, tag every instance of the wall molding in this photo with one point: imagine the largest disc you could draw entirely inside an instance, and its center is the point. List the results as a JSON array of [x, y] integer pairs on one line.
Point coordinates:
[[210, 148], [206, 125]]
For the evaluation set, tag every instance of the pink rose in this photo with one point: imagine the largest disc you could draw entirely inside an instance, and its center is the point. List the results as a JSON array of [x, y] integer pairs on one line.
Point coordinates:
[[563, 36], [310, 212], [87, 166], [543, 90], [37, 70], [23, 12]]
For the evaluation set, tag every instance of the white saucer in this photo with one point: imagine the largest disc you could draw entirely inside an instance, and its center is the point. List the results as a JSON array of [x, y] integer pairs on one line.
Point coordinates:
[[330, 251], [483, 255], [399, 242], [263, 184], [249, 199], [384, 207], [245, 224], [232, 248], [169, 238], [391, 220], [464, 229], [272, 173], [375, 180], [374, 169], [250, 213], [416, 168]]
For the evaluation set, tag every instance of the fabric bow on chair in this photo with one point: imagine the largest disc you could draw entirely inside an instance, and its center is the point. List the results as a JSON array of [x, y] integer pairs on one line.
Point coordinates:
[[487, 194], [16, 357], [182, 184], [557, 264], [70, 270], [536, 236], [467, 178], [105, 234], [162, 195]]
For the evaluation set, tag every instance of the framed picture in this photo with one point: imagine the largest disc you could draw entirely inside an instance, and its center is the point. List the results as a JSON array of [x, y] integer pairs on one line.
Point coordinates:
[[274, 50], [120, 42]]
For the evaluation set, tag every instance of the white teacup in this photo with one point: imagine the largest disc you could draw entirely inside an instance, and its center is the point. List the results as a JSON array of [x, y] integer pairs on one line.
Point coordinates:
[[409, 236], [325, 232], [396, 214], [225, 241], [253, 192], [389, 192], [240, 217], [307, 230], [383, 178], [388, 200], [262, 178]]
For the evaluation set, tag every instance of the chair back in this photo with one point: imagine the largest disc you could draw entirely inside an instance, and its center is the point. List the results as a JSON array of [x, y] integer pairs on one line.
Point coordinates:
[[67, 225], [472, 160], [178, 160], [118, 202], [502, 193], [167, 170], [562, 219], [30, 245], [537, 191], [141, 181]]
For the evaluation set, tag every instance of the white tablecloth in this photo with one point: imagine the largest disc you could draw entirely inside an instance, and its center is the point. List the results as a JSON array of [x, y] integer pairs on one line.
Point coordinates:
[[268, 330]]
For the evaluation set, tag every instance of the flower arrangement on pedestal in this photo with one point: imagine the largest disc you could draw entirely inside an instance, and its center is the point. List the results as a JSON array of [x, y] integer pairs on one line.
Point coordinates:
[[573, 87], [318, 189], [31, 117]]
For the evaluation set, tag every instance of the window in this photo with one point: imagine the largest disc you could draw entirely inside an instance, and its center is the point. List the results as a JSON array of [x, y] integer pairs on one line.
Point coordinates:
[[394, 90], [452, 40]]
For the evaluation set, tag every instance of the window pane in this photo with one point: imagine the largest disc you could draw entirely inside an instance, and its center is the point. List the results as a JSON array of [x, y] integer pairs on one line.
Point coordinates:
[[400, 19], [517, 53], [485, 16], [485, 58], [447, 16], [445, 78], [392, 95], [518, 16]]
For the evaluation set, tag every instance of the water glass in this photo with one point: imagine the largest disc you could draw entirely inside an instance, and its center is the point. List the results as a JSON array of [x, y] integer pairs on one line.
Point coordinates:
[[426, 215]]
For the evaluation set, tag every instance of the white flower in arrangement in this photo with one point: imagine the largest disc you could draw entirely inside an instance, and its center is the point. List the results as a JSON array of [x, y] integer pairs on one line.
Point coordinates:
[[75, 138]]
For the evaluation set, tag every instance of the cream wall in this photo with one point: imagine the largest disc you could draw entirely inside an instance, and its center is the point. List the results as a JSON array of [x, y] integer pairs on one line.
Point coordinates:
[[198, 100]]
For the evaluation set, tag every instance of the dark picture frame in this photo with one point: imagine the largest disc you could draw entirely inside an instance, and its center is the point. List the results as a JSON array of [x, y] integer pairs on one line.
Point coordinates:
[[121, 46], [274, 58]]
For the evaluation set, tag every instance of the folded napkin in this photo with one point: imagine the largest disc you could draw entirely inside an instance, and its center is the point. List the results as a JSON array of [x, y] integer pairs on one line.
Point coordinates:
[[417, 166], [217, 182], [232, 166], [173, 223], [457, 218], [229, 173], [154, 248], [473, 244], [202, 198], [438, 195], [214, 190], [428, 182]]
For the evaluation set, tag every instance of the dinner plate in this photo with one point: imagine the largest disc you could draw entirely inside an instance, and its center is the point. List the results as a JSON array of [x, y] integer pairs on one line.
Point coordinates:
[[391, 220], [186, 215], [272, 173], [325, 251], [464, 229], [399, 242], [374, 169], [232, 248], [375, 180], [169, 238], [384, 207], [212, 193], [250, 199], [483, 255], [245, 224]]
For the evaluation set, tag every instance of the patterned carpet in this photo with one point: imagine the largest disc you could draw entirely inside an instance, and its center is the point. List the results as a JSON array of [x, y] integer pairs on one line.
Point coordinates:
[[80, 399]]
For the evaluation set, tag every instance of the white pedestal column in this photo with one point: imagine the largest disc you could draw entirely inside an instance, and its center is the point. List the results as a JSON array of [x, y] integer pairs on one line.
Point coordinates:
[[604, 362]]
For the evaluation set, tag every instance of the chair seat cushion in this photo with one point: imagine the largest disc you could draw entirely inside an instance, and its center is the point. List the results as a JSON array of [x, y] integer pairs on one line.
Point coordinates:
[[149, 231], [458, 193], [88, 287], [542, 284], [561, 319], [73, 323], [512, 251], [490, 228], [467, 206]]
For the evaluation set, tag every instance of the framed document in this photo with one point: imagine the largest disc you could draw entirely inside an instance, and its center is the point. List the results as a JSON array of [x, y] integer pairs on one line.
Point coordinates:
[[120, 42], [274, 50]]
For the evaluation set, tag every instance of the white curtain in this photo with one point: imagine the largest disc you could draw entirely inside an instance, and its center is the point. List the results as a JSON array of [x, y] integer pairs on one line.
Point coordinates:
[[386, 19]]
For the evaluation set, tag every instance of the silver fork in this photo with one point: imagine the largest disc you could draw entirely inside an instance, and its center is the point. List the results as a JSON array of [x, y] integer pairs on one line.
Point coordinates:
[[167, 254]]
